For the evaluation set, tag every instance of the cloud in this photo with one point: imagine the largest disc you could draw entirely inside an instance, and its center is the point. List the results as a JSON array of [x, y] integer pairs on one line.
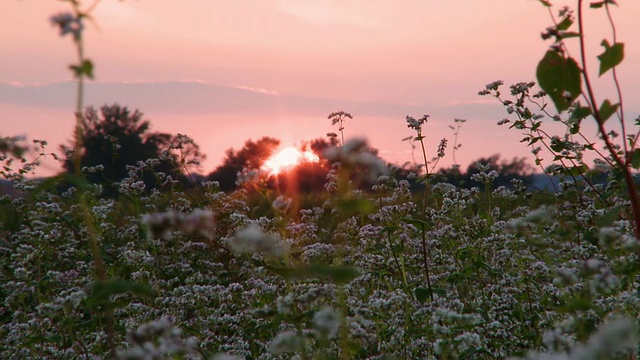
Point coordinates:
[[188, 98], [192, 97], [258, 90]]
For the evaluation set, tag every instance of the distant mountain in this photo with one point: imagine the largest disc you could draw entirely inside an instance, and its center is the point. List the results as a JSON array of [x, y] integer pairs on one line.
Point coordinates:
[[6, 188], [543, 182]]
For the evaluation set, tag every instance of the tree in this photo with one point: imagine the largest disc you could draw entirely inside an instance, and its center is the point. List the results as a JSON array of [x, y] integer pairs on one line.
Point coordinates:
[[251, 157], [517, 168], [115, 137]]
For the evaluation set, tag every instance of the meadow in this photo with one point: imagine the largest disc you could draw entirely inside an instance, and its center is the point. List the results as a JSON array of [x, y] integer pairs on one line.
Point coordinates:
[[367, 268]]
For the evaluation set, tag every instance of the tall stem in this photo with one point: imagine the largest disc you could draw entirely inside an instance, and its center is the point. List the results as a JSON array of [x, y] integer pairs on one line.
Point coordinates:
[[425, 251], [623, 165], [77, 155], [427, 174]]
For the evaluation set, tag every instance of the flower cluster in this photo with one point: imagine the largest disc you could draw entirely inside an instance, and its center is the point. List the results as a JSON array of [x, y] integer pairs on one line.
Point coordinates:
[[68, 24], [416, 125]]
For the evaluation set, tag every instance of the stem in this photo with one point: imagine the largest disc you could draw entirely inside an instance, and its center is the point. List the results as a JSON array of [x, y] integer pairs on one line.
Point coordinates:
[[531, 314], [101, 274], [427, 175], [617, 83], [623, 165], [591, 93], [425, 259], [98, 262], [425, 251], [80, 123]]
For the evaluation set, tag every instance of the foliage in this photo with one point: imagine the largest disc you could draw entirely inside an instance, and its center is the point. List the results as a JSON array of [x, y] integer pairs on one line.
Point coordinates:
[[465, 273], [567, 82], [345, 278], [250, 158], [506, 172], [116, 138]]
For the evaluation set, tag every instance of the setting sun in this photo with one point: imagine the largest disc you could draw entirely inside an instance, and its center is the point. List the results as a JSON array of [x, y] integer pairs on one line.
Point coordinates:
[[288, 158]]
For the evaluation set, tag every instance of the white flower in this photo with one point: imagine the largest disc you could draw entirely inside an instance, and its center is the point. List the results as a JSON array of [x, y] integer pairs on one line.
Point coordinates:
[[355, 153], [253, 239], [416, 125], [613, 337], [327, 321], [281, 203], [225, 356], [284, 342]]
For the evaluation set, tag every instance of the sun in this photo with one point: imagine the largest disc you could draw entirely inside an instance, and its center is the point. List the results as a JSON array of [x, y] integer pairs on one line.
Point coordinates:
[[288, 158]]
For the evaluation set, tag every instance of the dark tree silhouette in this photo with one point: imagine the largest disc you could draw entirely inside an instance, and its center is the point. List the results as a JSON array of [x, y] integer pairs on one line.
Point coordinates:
[[319, 145], [115, 137], [306, 177], [517, 168], [252, 156]]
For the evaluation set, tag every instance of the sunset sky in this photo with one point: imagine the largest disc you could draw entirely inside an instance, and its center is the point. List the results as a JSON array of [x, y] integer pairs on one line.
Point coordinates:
[[224, 71]]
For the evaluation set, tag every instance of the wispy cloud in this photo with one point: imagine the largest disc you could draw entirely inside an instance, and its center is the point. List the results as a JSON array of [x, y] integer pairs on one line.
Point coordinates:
[[192, 96], [258, 90], [197, 97]]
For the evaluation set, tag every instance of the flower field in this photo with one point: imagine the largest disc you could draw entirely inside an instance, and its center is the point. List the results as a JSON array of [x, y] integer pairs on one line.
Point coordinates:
[[364, 274], [379, 264]]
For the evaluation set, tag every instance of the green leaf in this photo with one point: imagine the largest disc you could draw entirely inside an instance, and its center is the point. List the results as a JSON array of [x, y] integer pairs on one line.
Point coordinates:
[[575, 128], [611, 57], [565, 24], [570, 34], [546, 3], [606, 110], [558, 145], [335, 274], [575, 305], [599, 4], [84, 69], [456, 278], [420, 224], [423, 294], [557, 75], [580, 112], [355, 206], [610, 216], [578, 170], [101, 291], [577, 115], [390, 229], [635, 159]]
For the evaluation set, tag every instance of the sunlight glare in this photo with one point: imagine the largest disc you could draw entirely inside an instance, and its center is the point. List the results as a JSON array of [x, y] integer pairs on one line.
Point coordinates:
[[288, 158]]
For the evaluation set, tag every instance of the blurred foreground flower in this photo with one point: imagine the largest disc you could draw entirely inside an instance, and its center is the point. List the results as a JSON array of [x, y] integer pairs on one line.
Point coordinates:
[[157, 340], [199, 220], [68, 24], [282, 203], [253, 239], [610, 342], [287, 341], [356, 153], [327, 321]]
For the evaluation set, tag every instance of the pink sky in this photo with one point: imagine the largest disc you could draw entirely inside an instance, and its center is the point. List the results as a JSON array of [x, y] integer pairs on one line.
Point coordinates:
[[227, 71]]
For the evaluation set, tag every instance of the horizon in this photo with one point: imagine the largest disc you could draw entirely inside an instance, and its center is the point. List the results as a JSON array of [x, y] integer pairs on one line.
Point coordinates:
[[224, 73]]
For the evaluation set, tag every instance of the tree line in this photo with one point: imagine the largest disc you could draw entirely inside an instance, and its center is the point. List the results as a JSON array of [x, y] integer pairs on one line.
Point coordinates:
[[116, 138]]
